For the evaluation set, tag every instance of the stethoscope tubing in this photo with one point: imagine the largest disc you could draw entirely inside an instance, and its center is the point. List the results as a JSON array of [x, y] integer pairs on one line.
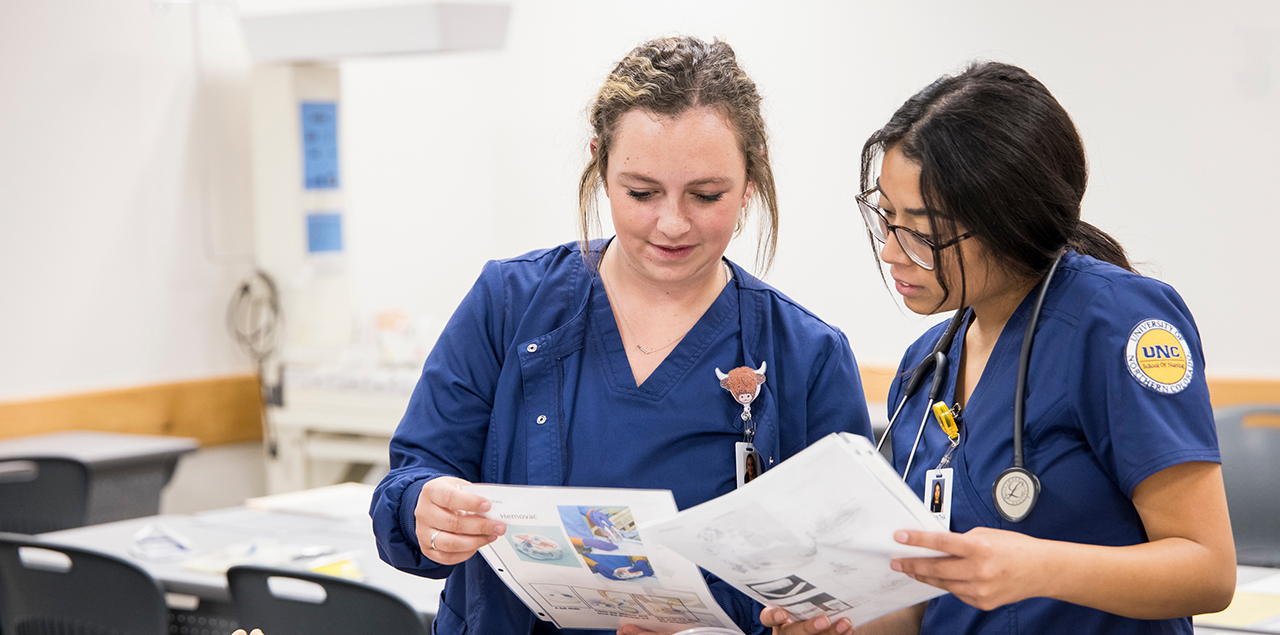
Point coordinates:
[[937, 363], [919, 433], [892, 419], [1024, 364], [938, 356]]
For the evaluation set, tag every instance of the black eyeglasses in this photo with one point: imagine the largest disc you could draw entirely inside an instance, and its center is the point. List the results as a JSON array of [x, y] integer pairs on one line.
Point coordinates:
[[917, 246]]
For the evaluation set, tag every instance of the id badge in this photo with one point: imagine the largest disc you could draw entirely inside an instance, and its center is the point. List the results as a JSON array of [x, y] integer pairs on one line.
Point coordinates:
[[937, 493], [747, 461]]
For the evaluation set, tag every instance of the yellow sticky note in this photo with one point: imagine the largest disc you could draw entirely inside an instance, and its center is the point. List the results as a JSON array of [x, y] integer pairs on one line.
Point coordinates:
[[341, 569], [1245, 609]]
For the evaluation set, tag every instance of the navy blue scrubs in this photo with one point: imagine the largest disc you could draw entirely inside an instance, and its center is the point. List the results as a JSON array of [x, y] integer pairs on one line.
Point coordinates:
[[1116, 393], [696, 450], [529, 385]]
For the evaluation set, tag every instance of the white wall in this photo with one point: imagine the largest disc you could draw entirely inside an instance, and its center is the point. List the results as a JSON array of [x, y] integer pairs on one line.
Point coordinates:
[[106, 278], [215, 477], [453, 159]]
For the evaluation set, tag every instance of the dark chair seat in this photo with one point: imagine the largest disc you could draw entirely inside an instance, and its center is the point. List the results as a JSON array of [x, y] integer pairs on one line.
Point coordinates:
[[1251, 474], [41, 494], [339, 607], [48, 589]]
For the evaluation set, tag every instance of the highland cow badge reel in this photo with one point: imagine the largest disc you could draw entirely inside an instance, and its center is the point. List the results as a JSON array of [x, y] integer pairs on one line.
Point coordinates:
[[743, 384]]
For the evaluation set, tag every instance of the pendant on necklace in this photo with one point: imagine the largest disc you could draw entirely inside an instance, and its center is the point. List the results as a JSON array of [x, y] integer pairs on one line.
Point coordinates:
[[650, 351]]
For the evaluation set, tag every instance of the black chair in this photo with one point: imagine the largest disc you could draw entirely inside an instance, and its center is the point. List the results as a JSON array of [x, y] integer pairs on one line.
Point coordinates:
[[346, 607], [42, 494], [1251, 473], [47, 588]]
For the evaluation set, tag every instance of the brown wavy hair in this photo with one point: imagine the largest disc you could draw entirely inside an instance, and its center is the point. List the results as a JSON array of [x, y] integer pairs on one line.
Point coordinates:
[[668, 77]]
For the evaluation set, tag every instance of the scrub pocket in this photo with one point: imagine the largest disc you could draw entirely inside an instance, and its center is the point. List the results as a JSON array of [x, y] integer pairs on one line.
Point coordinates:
[[447, 622]]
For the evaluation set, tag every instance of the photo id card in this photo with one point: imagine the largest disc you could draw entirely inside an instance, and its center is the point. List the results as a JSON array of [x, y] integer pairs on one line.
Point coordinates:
[[937, 493], [747, 461]]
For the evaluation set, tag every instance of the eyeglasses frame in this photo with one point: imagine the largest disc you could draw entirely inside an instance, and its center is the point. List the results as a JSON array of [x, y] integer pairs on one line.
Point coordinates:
[[890, 228]]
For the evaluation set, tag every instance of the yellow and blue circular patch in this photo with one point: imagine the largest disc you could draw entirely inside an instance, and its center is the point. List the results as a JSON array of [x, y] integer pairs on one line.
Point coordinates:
[[1158, 357]]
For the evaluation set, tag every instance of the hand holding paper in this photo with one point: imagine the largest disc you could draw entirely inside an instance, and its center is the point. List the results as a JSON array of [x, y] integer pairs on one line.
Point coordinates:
[[988, 567], [448, 525], [575, 557]]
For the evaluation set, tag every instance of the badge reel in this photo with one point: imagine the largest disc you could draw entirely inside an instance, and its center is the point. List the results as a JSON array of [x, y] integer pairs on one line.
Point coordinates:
[[938, 481], [743, 384]]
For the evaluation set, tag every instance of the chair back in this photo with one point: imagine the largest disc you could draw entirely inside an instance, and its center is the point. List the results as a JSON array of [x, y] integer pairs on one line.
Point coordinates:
[[41, 494], [1251, 473], [336, 607], [50, 588]]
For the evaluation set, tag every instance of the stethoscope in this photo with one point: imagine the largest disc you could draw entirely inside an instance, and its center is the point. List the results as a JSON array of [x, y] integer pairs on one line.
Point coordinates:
[[1016, 490]]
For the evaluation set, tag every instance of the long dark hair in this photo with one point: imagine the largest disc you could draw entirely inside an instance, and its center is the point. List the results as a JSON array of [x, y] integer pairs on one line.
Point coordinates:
[[999, 156]]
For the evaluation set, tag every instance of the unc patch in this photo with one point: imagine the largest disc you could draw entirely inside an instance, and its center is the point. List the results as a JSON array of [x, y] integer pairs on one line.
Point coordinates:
[[1158, 357]]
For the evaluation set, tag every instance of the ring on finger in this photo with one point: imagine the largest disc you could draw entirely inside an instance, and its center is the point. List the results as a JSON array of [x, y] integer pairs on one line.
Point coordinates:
[[433, 537]]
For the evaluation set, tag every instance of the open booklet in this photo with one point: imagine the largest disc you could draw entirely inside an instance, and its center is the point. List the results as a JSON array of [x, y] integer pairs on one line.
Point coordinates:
[[813, 535], [575, 557]]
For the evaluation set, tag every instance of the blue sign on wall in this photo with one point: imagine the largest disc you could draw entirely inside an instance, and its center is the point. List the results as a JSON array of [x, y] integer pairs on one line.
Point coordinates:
[[324, 232], [320, 145]]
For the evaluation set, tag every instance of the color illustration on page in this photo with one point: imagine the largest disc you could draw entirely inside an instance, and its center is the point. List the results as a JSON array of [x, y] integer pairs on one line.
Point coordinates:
[[576, 557]]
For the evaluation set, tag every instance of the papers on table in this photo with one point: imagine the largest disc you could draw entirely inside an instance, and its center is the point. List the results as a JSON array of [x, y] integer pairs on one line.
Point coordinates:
[[574, 556], [1256, 605], [1269, 585], [339, 502], [270, 552], [813, 535], [156, 541], [276, 520]]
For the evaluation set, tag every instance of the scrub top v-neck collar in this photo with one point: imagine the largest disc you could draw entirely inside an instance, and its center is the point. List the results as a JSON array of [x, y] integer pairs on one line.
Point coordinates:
[[976, 420], [678, 361], [1013, 329]]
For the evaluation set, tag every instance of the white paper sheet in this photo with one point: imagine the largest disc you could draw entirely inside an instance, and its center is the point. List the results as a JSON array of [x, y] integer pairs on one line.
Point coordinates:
[[575, 557], [1269, 585], [339, 502], [813, 535]]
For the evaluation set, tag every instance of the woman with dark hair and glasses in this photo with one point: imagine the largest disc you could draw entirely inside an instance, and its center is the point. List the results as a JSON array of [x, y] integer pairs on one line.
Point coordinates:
[[1104, 511]]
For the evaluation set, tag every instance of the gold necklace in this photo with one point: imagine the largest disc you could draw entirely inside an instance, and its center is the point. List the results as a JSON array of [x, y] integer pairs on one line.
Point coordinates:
[[647, 351], [632, 333]]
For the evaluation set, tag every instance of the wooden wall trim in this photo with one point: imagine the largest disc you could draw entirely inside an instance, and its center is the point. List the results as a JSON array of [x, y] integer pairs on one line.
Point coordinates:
[[1223, 391], [216, 411], [225, 410], [876, 381]]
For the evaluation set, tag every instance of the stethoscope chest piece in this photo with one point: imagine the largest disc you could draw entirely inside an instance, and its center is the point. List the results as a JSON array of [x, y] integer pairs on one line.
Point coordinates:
[[1015, 493]]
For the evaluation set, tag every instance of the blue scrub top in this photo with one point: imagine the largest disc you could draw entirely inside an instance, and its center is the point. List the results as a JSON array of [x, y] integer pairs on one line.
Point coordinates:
[[612, 417], [1115, 393], [529, 385]]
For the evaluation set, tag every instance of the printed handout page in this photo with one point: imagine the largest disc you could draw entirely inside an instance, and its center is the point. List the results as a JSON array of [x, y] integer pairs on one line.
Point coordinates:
[[813, 535], [576, 558]]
